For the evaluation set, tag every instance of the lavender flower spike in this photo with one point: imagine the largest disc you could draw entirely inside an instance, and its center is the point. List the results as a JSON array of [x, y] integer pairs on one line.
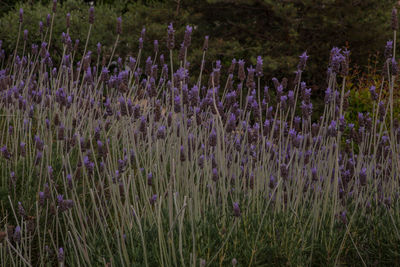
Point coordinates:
[[119, 25], [60, 255], [170, 37], [21, 15], [395, 21], [187, 38], [91, 15], [68, 20], [236, 209], [303, 60]]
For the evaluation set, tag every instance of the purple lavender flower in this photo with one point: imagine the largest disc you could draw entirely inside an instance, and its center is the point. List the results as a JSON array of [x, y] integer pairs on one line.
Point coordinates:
[[170, 37], [21, 15], [388, 49], [381, 109], [205, 44], [328, 95], [119, 25], [60, 199], [187, 38], [394, 67], [241, 73], [13, 178], [25, 35], [17, 234], [236, 209], [69, 181], [140, 43], [259, 67], [231, 125], [91, 15], [395, 22], [212, 139], [41, 198], [60, 255], [50, 172], [54, 9], [201, 161], [215, 175], [6, 154], [150, 179], [332, 131], [177, 104], [234, 262], [182, 154], [303, 60], [161, 132], [363, 176], [155, 46], [373, 93], [48, 19], [21, 210], [143, 33], [250, 78], [68, 20], [153, 199], [35, 49], [343, 217]]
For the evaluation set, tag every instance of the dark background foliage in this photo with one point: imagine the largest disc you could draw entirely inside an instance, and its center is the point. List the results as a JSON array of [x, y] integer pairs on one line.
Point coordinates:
[[277, 30]]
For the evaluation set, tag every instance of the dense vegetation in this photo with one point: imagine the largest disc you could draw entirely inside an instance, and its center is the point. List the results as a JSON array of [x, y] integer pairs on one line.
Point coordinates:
[[151, 153], [276, 30]]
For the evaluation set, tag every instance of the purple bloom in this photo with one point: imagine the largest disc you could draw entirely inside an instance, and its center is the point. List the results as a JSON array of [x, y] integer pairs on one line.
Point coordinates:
[[394, 67], [201, 161], [155, 46], [54, 9], [328, 95], [153, 199], [21, 210], [6, 154], [302, 63], [236, 209], [17, 234], [91, 15], [48, 18], [388, 49], [60, 199], [373, 93], [170, 37], [68, 20], [41, 198], [182, 154], [25, 35], [142, 125], [395, 22], [161, 132], [60, 255], [215, 175], [119, 25], [21, 15], [187, 38], [212, 140], [241, 73], [150, 179], [205, 44], [69, 181], [363, 176], [140, 43], [259, 67]]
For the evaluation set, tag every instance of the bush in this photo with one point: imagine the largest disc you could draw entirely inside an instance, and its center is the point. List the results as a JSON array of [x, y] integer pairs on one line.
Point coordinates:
[[276, 30]]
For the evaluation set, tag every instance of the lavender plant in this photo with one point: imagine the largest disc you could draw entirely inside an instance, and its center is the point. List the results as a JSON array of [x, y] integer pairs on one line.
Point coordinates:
[[136, 164]]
